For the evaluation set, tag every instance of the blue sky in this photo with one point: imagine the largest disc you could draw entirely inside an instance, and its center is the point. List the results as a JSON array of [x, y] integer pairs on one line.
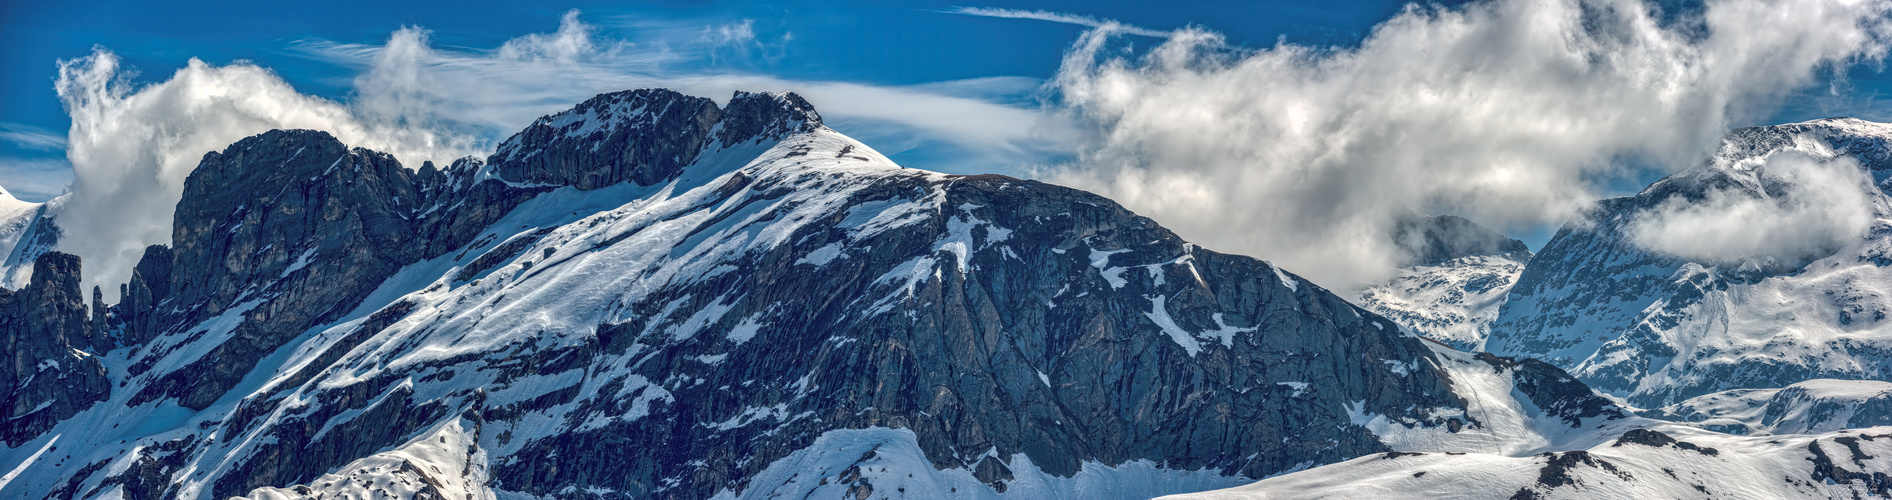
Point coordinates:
[[879, 43], [1289, 130]]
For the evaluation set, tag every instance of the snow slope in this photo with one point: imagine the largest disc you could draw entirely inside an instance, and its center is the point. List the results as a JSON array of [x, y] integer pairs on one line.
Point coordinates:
[[1662, 462], [1453, 302], [1656, 327], [26, 231], [1813, 406], [1523, 452]]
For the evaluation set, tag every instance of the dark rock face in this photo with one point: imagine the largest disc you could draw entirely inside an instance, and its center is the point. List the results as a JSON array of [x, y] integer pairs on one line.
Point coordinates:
[[284, 229], [1657, 439], [1596, 303], [643, 136], [1558, 472], [1033, 351], [136, 315], [1431, 240], [1554, 391], [47, 376], [1826, 469]]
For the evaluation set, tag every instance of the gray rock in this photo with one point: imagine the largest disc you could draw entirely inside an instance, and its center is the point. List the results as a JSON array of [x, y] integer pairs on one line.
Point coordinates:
[[45, 375]]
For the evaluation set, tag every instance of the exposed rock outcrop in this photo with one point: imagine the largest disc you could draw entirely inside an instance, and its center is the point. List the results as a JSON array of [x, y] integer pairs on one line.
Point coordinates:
[[46, 375]]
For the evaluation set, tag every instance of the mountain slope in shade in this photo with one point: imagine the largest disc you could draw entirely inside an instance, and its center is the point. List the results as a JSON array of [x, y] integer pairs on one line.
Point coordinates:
[[654, 296], [1658, 329]]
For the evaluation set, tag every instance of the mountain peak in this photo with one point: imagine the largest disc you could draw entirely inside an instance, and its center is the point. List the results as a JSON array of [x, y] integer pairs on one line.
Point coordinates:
[[1430, 240], [644, 136], [754, 116]]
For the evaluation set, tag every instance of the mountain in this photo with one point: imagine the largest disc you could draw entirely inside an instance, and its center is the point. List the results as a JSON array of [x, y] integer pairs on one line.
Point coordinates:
[[650, 295], [1813, 406], [1453, 282], [1727, 344], [1673, 462], [27, 230], [1658, 328]]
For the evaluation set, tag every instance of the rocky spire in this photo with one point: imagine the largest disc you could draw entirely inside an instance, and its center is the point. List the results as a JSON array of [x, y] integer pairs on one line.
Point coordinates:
[[44, 378]]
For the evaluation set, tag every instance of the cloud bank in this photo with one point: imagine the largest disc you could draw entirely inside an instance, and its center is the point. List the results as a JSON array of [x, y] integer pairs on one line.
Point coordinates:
[[1507, 112], [1802, 207], [131, 147]]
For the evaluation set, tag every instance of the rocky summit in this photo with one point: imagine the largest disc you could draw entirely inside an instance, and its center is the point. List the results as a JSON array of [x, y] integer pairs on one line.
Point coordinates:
[[653, 296]]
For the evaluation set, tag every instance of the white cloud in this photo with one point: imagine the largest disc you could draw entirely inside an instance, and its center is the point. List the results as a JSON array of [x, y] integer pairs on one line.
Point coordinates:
[[737, 41], [1506, 112], [1058, 17], [132, 147], [491, 94], [30, 137], [1799, 207]]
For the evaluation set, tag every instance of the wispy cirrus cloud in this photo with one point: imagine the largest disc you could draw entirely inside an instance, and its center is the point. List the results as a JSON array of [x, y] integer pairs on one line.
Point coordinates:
[[31, 137], [34, 179], [485, 94], [1059, 17]]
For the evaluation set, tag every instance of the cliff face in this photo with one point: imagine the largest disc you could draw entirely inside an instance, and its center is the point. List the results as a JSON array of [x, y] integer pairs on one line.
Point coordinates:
[[46, 375], [279, 233]]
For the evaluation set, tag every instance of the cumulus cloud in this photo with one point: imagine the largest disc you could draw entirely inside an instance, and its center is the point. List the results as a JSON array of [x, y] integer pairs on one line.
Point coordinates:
[[1506, 112], [131, 147], [738, 41], [1798, 207]]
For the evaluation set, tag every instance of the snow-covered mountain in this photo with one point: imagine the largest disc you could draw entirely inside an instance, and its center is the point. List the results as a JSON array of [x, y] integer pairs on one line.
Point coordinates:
[[1813, 406], [651, 295], [1454, 282], [1666, 461], [1660, 326], [1526, 454], [1725, 331], [26, 231]]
